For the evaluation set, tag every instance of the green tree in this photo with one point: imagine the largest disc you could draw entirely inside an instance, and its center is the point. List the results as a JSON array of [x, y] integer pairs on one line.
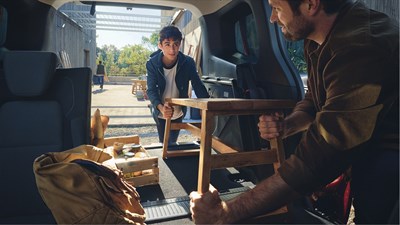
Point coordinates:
[[100, 53], [109, 54], [132, 59], [152, 42], [296, 53]]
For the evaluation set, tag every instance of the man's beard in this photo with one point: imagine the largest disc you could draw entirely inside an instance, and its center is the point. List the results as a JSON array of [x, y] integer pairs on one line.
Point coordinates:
[[297, 29]]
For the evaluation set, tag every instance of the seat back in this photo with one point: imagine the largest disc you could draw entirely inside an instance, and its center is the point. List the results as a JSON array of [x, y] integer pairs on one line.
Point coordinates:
[[46, 110], [246, 81], [3, 36], [3, 31]]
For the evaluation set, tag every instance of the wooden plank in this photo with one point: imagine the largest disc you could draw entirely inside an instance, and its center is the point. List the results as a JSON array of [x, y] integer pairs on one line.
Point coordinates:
[[221, 147], [230, 104], [239, 112], [146, 179], [186, 126], [277, 144], [207, 124], [177, 153], [131, 139], [243, 159], [217, 144], [166, 137], [193, 128], [136, 164]]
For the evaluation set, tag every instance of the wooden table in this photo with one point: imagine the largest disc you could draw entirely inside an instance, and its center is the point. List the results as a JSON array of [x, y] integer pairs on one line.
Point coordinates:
[[138, 85], [228, 156]]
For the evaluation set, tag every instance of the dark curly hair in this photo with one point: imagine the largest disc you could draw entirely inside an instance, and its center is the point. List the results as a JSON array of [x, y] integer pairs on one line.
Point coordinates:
[[330, 6], [168, 32]]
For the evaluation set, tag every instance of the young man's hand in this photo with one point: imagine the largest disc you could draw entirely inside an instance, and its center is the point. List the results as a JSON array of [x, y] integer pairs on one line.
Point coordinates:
[[166, 110]]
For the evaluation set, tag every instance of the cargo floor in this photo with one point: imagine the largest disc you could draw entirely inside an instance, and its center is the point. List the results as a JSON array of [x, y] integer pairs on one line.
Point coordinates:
[[167, 202]]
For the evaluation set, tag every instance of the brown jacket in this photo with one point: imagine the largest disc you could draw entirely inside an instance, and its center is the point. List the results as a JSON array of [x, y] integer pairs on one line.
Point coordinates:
[[353, 95]]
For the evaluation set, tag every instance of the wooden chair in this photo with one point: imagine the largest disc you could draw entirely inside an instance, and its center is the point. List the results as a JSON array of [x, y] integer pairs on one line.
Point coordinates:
[[138, 85]]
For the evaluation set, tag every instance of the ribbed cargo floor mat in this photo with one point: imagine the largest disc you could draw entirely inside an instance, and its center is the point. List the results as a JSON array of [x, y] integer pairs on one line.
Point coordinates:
[[168, 209]]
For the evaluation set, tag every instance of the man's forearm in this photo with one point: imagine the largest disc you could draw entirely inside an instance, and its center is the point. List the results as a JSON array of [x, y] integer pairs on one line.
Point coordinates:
[[267, 196], [296, 122]]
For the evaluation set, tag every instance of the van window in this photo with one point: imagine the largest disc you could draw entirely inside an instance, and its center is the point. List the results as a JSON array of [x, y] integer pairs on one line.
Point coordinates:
[[246, 37], [296, 53]]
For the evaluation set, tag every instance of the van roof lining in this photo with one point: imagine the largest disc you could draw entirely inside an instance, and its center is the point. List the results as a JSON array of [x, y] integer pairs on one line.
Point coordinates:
[[128, 5]]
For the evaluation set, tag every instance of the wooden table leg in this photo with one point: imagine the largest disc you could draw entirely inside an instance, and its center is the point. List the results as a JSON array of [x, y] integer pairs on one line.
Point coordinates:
[[166, 137], [277, 144], [207, 126]]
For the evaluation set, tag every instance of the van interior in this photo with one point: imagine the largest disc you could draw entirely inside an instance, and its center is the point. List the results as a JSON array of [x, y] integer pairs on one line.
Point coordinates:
[[239, 54]]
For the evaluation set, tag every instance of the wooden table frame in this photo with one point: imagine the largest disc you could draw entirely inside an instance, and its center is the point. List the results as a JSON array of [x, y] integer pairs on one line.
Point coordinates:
[[138, 85], [228, 156]]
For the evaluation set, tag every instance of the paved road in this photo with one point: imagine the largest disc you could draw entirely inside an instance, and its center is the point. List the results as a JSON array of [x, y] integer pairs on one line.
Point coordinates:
[[121, 105]]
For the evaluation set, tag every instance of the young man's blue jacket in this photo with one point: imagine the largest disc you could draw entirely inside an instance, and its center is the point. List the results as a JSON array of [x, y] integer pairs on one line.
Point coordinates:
[[185, 72]]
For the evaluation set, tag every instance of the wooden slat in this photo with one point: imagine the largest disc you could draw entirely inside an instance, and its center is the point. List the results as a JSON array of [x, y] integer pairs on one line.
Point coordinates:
[[136, 164], [186, 126], [177, 153], [147, 179], [166, 137], [221, 147], [233, 104], [207, 124], [132, 139], [244, 112], [277, 143], [243, 159], [195, 130], [217, 144]]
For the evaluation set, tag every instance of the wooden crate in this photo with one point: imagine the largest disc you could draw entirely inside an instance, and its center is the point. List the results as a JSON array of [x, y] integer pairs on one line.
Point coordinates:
[[139, 171]]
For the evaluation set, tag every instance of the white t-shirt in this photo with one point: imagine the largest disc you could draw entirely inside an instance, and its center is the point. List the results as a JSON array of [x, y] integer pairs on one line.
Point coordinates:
[[171, 91]]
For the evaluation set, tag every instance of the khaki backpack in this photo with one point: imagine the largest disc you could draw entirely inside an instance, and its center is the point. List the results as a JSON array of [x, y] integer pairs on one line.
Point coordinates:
[[83, 186]]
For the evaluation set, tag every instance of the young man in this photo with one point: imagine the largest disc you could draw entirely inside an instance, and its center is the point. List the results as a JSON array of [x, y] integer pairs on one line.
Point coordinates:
[[348, 115], [169, 72]]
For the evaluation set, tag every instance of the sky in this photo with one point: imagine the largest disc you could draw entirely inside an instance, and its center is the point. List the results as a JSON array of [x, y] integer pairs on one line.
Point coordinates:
[[122, 38]]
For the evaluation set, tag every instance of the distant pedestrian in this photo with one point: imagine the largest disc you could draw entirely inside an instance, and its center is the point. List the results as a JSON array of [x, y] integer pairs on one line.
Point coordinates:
[[101, 73], [169, 73]]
